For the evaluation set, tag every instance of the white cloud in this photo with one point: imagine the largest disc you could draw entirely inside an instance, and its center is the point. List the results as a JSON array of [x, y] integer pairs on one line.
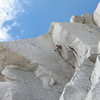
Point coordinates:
[[9, 10], [4, 36]]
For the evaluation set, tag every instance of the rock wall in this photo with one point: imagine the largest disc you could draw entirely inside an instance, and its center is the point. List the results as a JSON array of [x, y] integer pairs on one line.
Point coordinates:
[[97, 15], [93, 94], [60, 65]]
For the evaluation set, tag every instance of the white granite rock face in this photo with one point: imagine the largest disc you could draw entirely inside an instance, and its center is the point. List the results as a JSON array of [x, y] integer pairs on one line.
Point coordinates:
[[84, 19], [60, 65], [41, 76], [45, 76], [96, 15], [79, 85]]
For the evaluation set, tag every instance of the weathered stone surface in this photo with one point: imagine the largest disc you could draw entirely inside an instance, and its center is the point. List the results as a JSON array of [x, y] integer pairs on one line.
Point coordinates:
[[60, 65], [96, 15], [68, 35], [29, 82], [84, 19], [45, 76], [95, 82], [79, 85]]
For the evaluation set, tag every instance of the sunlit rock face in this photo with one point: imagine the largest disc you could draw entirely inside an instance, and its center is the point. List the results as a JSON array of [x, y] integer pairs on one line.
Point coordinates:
[[85, 19], [82, 37], [97, 15], [60, 65], [33, 69], [95, 82]]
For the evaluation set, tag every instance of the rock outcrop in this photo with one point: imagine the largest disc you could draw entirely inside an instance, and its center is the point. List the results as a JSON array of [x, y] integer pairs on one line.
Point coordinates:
[[60, 65], [93, 94], [97, 15]]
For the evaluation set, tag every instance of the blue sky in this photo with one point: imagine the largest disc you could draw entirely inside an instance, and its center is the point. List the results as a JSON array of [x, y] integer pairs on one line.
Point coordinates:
[[24, 19]]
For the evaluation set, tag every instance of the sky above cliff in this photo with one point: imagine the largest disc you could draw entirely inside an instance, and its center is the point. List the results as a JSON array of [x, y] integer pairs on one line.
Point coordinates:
[[23, 19]]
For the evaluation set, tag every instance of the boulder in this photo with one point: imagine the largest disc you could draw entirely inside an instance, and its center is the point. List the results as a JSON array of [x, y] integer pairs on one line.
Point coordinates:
[[96, 15]]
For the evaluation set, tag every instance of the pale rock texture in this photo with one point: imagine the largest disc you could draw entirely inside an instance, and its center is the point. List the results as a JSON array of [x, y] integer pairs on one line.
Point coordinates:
[[63, 64], [95, 80], [79, 85], [77, 19], [97, 15], [45, 76], [85, 19], [29, 83]]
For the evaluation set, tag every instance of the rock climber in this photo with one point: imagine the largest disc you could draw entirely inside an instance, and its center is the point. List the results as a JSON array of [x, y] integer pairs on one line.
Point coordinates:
[[58, 48]]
